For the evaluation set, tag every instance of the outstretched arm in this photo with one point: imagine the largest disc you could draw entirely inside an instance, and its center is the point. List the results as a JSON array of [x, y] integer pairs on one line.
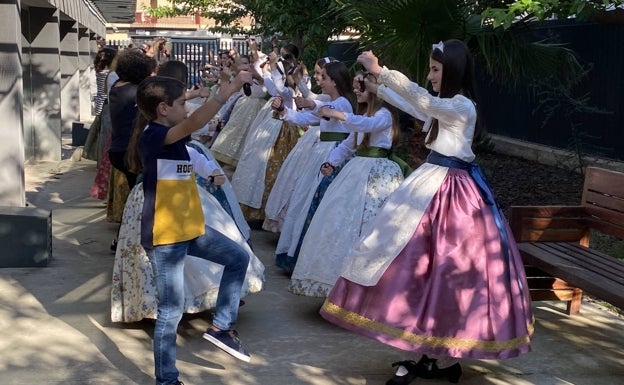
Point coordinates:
[[203, 114]]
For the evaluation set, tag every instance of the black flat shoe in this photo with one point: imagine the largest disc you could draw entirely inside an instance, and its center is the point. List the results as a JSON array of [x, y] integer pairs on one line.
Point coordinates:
[[412, 373], [452, 373]]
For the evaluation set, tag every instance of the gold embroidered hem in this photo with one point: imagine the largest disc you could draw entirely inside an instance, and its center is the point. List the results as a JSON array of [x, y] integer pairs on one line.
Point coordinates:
[[464, 344]]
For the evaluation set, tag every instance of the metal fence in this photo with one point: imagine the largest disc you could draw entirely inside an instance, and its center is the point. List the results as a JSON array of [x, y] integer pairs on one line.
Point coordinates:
[[194, 52]]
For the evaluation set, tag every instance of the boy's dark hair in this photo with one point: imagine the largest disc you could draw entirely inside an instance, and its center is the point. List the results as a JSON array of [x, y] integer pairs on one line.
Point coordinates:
[[150, 93], [104, 58], [339, 73], [133, 66], [174, 69], [155, 90], [160, 43]]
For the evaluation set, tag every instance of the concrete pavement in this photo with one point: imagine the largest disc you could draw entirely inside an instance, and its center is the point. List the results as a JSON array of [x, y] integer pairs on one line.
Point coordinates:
[[56, 328]]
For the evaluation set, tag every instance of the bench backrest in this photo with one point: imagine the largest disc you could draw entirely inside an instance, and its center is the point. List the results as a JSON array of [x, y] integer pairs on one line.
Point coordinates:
[[603, 199], [601, 208]]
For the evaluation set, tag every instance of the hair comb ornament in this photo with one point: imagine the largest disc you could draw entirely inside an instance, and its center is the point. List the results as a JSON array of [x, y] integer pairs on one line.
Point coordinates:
[[439, 46], [327, 59]]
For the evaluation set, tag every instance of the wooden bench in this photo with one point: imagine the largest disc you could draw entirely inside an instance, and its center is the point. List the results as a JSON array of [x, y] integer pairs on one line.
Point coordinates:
[[554, 243]]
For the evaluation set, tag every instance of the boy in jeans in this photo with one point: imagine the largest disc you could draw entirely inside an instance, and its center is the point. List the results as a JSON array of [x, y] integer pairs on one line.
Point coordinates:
[[173, 224]]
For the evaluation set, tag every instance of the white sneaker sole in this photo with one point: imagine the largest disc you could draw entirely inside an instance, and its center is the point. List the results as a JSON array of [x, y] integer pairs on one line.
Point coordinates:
[[227, 349]]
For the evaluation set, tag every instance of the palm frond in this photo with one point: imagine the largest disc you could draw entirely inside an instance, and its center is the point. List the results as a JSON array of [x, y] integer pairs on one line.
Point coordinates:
[[514, 55], [401, 32]]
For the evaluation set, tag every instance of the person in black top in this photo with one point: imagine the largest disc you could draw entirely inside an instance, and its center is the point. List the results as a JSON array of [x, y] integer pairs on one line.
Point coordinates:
[[132, 67]]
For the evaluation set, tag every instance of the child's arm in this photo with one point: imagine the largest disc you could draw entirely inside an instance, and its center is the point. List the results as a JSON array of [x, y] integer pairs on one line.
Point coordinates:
[[205, 168], [203, 114], [201, 165], [343, 151]]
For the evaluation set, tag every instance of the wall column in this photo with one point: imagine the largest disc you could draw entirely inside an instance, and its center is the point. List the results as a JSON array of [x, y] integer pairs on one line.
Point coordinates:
[[12, 185], [42, 107], [87, 78], [70, 76]]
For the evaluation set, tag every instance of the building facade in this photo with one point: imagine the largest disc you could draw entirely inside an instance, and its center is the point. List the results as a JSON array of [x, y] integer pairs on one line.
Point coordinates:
[[46, 53]]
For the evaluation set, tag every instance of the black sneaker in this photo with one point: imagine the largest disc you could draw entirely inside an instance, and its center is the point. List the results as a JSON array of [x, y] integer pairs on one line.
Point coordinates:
[[229, 342]]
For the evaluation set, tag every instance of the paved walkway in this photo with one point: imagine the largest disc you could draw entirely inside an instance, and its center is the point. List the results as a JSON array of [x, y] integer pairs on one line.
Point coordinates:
[[56, 328]]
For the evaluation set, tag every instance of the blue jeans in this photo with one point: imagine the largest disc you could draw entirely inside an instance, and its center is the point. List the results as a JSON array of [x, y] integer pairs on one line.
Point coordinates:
[[168, 265]]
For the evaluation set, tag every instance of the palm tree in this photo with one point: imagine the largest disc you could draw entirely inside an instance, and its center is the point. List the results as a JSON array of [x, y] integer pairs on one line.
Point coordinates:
[[402, 32]]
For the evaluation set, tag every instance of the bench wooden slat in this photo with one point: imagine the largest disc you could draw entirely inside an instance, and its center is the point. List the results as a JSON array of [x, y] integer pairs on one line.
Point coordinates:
[[602, 181], [554, 223], [602, 199], [549, 211], [601, 188], [557, 263], [608, 228], [553, 235], [554, 295], [582, 263], [549, 283], [548, 223], [606, 221], [592, 260]]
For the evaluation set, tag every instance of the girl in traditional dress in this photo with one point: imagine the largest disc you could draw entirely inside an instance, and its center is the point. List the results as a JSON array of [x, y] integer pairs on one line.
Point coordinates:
[[288, 175], [99, 188], [308, 155], [269, 140], [438, 272], [228, 144], [354, 197], [132, 67]]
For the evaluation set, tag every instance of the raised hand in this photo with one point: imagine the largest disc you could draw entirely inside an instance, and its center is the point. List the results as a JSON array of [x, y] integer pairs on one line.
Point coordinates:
[[370, 62], [302, 103], [277, 104]]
